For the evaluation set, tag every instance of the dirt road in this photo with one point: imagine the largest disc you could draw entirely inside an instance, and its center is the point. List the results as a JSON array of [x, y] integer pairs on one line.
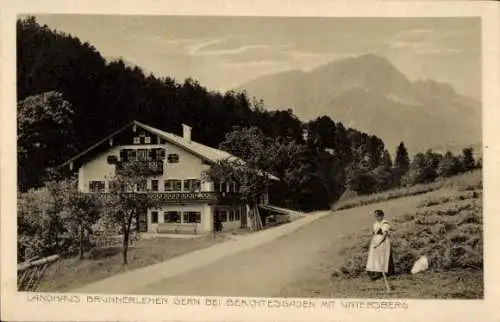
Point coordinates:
[[267, 269]]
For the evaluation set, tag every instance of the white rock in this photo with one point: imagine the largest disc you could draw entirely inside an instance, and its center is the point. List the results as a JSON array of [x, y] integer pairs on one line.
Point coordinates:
[[420, 265]]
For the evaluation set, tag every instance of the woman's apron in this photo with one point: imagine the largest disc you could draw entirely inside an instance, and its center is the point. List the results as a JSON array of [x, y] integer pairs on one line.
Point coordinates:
[[379, 258]]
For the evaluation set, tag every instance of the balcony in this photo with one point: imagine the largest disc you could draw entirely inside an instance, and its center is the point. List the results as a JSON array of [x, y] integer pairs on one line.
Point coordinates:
[[169, 197], [144, 168], [182, 197]]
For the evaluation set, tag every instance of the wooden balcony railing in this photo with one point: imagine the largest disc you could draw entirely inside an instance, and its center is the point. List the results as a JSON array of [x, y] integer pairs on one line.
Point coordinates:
[[175, 197], [150, 167]]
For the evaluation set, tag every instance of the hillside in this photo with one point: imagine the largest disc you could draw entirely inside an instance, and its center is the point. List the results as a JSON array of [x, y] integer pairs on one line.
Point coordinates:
[[71, 97], [441, 221], [369, 93]]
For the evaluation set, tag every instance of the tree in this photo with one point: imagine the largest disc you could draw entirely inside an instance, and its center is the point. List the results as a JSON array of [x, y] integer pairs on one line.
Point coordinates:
[[401, 162], [450, 165], [386, 160], [43, 127], [258, 158], [38, 226], [432, 161], [53, 219], [383, 174], [479, 163], [127, 199], [359, 181], [416, 172], [323, 130], [468, 162], [81, 212]]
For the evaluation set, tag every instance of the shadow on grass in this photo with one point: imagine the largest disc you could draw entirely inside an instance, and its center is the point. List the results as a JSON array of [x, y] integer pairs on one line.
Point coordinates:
[[102, 253]]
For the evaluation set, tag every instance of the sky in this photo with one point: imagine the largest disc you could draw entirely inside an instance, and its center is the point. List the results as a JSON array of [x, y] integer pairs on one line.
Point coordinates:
[[225, 52]]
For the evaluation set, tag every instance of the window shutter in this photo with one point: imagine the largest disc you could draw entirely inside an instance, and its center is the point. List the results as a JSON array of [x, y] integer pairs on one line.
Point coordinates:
[[123, 155], [161, 154]]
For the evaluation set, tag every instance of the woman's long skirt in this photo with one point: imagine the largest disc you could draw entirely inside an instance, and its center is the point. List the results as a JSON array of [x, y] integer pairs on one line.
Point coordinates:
[[380, 259]]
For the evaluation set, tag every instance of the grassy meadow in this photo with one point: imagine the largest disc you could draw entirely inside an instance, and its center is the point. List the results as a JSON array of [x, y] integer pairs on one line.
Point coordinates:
[[446, 226], [70, 273], [461, 182]]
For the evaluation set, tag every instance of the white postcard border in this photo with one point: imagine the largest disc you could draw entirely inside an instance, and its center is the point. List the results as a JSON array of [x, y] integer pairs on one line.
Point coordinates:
[[19, 306]]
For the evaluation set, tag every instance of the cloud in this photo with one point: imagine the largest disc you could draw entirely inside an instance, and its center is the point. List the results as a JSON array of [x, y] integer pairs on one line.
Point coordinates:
[[422, 48], [201, 49], [414, 34], [425, 41]]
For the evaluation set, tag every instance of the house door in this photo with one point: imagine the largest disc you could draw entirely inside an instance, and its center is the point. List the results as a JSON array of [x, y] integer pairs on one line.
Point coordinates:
[[142, 220]]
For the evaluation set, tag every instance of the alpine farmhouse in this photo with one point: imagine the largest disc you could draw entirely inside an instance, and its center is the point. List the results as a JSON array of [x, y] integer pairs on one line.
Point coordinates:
[[187, 201]]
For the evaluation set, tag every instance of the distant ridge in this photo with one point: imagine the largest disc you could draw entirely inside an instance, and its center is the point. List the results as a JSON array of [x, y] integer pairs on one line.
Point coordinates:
[[369, 93]]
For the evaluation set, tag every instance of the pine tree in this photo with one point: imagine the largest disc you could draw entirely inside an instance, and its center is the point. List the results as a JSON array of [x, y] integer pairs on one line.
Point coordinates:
[[402, 160], [401, 163], [386, 160]]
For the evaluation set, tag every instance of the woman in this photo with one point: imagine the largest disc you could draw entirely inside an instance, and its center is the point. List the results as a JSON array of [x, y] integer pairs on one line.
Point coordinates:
[[380, 253]]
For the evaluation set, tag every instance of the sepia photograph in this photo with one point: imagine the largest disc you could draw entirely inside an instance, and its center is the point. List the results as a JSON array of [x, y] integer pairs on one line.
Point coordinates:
[[250, 156], [256, 161]]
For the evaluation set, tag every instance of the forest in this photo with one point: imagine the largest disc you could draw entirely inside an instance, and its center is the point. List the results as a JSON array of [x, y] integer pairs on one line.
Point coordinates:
[[69, 97]]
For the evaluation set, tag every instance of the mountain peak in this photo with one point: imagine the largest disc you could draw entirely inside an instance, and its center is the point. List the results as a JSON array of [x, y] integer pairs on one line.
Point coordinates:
[[369, 93], [369, 72]]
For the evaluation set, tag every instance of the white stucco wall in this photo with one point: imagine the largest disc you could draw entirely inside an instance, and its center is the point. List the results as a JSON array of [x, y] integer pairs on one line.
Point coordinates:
[[97, 169], [204, 209], [188, 167]]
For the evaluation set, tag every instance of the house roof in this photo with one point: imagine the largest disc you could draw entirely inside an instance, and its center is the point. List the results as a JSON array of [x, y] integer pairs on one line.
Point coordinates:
[[205, 152]]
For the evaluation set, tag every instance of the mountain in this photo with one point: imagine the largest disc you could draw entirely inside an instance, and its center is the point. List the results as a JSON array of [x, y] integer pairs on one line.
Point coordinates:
[[370, 94]]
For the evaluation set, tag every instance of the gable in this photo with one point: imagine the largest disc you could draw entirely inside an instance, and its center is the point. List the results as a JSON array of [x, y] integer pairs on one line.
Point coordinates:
[[135, 134], [138, 134]]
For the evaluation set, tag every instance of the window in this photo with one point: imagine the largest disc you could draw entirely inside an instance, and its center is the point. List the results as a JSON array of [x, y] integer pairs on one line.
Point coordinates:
[[142, 186], [173, 158], [173, 185], [192, 185], [192, 217], [112, 159], [137, 140], [141, 154], [131, 155], [129, 187], [231, 215], [223, 215], [154, 185], [147, 139], [151, 154], [97, 186], [223, 187], [154, 217], [237, 215], [123, 155], [172, 217]]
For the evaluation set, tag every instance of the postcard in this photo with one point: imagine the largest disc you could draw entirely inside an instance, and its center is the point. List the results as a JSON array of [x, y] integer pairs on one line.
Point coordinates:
[[242, 160]]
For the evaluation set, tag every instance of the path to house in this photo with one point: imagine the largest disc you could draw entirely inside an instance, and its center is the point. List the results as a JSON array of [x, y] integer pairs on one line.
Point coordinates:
[[260, 264]]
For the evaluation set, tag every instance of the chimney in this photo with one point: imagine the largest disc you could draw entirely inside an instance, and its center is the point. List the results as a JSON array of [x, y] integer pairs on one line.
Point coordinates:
[[186, 132]]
